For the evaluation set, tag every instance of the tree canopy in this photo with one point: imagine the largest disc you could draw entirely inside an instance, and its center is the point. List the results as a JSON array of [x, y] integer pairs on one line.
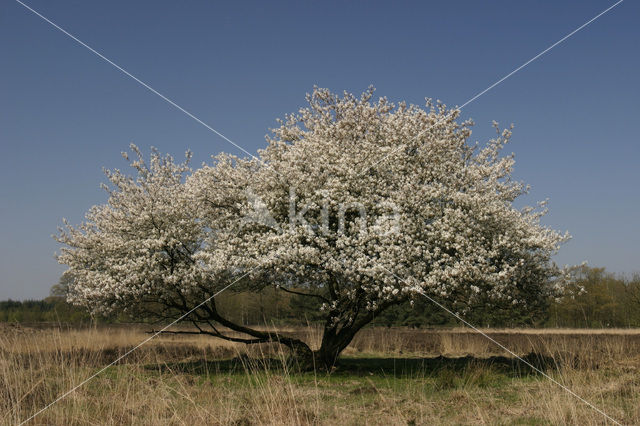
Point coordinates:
[[357, 205]]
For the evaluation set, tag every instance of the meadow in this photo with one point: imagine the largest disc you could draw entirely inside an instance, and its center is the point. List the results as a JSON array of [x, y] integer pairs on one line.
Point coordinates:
[[386, 376]]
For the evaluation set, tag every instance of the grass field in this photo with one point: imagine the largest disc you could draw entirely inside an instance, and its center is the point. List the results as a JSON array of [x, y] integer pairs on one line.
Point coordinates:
[[387, 376]]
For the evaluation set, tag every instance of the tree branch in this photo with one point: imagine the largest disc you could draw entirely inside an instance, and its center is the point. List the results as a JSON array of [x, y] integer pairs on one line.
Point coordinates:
[[299, 293], [219, 335]]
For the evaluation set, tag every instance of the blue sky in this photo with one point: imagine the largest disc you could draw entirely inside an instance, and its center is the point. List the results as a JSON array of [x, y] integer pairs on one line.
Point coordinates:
[[65, 113]]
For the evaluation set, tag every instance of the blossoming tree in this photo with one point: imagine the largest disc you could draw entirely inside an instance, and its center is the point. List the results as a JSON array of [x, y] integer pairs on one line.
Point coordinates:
[[354, 203]]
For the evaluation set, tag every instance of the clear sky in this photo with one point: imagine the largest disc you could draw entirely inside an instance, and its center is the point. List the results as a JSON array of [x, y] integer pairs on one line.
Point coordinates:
[[65, 113]]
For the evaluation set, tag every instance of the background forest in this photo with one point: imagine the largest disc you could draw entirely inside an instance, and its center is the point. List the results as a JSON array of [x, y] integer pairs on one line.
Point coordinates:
[[606, 300]]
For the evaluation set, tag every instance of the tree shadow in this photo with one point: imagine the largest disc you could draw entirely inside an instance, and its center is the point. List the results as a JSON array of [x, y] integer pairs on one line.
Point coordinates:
[[531, 364], [411, 367]]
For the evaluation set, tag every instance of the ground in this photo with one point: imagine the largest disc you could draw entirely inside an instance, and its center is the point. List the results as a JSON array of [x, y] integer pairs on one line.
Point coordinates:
[[387, 376]]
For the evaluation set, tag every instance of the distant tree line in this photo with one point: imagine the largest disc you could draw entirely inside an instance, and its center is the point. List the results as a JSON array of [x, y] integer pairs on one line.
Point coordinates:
[[598, 300], [51, 309], [607, 300]]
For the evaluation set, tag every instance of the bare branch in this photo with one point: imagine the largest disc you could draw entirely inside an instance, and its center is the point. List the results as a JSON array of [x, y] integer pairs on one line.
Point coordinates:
[[299, 293]]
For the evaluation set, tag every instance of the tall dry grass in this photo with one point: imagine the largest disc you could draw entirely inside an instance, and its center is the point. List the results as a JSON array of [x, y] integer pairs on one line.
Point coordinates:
[[390, 376]]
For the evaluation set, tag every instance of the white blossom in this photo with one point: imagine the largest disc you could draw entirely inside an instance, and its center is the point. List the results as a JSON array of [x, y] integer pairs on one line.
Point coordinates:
[[378, 187]]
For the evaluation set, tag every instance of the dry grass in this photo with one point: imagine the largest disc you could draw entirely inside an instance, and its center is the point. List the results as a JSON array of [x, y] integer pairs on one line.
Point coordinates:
[[388, 376]]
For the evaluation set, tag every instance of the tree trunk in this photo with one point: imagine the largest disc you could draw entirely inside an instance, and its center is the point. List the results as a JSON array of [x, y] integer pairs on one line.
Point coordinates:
[[337, 337], [334, 341]]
